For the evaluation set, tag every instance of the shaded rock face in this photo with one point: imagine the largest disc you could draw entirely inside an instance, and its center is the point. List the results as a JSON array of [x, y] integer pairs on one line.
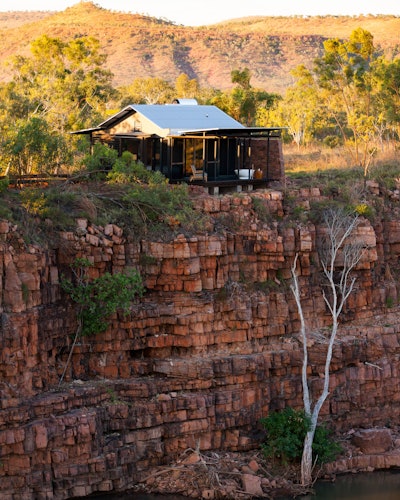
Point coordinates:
[[210, 349]]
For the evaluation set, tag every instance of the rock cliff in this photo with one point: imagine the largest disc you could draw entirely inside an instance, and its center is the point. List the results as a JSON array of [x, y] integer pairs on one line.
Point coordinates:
[[211, 347]]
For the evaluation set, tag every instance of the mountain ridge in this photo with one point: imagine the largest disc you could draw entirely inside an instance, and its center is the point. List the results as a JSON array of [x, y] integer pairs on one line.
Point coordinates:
[[140, 46]]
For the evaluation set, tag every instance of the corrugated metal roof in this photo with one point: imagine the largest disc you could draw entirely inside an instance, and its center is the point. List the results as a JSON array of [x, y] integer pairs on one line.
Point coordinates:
[[179, 119]]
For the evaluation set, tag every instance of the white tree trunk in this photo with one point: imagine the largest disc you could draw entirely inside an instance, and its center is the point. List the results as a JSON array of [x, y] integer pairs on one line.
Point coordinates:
[[339, 228], [306, 459]]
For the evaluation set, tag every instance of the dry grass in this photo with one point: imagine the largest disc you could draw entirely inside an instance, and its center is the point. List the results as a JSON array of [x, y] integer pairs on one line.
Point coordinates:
[[384, 28], [319, 158]]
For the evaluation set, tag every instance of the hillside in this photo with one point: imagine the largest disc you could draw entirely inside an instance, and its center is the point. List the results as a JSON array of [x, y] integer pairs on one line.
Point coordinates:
[[141, 46]]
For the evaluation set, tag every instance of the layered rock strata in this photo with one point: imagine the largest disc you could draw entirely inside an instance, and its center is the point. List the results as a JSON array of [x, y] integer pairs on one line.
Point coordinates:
[[211, 347]]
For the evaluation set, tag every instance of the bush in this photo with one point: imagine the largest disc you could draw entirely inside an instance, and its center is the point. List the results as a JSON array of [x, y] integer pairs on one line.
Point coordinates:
[[156, 207], [4, 183], [127, 170], [286, 431], [101, 161], [99, 298], [325, 449], [332, 141], [364, 210]]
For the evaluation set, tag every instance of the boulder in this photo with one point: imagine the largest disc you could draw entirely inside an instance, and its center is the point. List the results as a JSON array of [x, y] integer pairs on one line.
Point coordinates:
[[373, 440], [252, 485]]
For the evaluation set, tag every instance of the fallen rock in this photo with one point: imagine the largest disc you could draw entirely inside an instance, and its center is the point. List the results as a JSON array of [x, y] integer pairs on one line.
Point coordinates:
[[252, 485], [254, 466], [193, 458], [373, 440]]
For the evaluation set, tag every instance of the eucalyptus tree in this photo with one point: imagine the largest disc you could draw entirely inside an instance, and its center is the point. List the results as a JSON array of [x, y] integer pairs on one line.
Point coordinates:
[[186, 87], [300, 109], [339, 253], [147, 91], [386, 79], [63, 82], [61, 86], [344, 75], [31, 148], [244, 102]]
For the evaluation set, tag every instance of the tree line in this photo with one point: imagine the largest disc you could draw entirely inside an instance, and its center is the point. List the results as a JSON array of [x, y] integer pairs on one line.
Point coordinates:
[[349, 98]]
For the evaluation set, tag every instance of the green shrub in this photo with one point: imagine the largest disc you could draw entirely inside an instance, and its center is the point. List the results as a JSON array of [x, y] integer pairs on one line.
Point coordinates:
[[332, 141], [325, 448], [286, 431], [101, 161], [364, 210], [99, 298], [127, 170], [4, 183], [262, 210], [160, 206], [386, 175]]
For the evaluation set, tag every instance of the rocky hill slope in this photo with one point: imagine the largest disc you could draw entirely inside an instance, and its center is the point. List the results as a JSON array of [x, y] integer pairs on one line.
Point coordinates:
[[140, 46]]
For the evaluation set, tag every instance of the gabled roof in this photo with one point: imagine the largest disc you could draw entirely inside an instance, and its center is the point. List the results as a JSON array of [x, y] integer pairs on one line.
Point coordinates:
[[175, 118]]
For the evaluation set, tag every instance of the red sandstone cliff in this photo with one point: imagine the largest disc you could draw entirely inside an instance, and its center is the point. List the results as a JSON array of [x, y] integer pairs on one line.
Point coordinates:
[[210, 349]]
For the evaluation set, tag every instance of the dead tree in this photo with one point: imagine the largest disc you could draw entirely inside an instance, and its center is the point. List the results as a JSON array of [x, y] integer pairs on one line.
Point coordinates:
[[338, 256]]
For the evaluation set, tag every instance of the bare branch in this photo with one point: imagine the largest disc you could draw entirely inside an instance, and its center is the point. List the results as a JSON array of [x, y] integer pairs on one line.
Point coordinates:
[[338, 256]]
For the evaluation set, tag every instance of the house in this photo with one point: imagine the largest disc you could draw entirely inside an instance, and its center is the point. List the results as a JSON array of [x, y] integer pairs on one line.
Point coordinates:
[[194, 143]]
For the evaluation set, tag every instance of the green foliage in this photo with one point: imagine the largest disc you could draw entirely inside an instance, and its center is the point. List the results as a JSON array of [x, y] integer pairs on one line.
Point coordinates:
[[320, 208], [342, 187], [126, 169], [147, 260], [141, 202], [300, 213], [363, 209], [32, 148], [9, 206], [387, 175], [25, 292], [332, 141], [4, 183], [63, 81], [325, 448], [286, 431], [147, 91], [100, 161], [268, 286], [244, 102], [61, 86], [101, 297], [105, 164], [389, 303], [152, 207]]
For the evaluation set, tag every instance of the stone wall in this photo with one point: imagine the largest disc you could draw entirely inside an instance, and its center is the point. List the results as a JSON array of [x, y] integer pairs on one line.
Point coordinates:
[[210, 349], [274, 169]]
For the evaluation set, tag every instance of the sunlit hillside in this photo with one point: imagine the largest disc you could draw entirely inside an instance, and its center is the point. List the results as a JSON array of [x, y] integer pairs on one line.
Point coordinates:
[[140, 46]]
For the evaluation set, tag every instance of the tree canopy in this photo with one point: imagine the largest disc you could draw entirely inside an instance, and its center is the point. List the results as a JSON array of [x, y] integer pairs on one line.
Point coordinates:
[[349, 98]]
